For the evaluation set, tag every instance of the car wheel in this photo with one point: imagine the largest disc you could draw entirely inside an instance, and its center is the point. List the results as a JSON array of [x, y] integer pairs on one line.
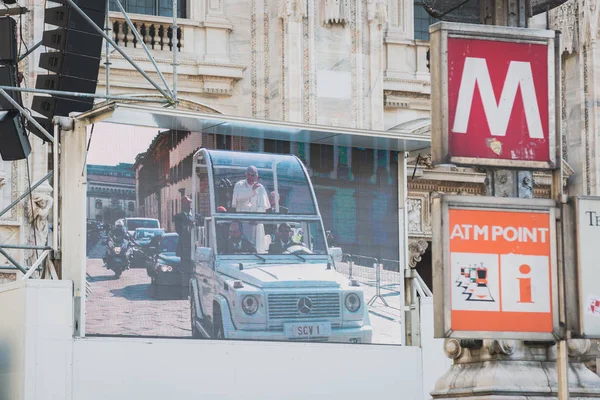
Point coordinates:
[[195, 332], [218, 326]]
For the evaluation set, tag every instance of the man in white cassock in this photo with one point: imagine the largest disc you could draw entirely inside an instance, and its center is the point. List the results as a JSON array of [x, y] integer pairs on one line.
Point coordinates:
[[249, 195]]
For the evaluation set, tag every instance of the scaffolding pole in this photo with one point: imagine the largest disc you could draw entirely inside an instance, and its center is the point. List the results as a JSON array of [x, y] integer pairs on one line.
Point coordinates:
[[25, 114], [78, 94], [107, 63], [175, 28], [141, 41], [31, 50]]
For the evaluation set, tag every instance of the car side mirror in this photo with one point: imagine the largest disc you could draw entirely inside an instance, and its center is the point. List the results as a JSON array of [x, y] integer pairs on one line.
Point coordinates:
[[204, 255]]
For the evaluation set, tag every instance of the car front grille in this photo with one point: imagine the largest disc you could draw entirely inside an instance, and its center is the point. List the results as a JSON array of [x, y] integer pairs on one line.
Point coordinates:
[[285, 306]]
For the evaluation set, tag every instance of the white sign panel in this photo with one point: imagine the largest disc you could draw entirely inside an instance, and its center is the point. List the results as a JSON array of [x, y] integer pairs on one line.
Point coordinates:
[[588, 239]]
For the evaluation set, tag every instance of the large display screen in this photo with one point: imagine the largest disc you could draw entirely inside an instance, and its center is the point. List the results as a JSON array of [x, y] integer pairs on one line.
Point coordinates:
[[209, 236]]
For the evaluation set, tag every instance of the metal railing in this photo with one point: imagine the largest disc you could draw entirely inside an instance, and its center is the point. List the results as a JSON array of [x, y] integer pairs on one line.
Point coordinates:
[[155, 35], [384, 275]]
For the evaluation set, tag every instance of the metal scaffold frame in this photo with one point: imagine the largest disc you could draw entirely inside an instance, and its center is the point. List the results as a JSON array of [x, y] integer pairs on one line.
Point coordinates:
[[169, 99]]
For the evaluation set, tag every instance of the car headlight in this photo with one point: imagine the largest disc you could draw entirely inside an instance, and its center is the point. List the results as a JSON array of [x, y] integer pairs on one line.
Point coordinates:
[[165, 268], [250, 304], [117, 250], [352, 302]]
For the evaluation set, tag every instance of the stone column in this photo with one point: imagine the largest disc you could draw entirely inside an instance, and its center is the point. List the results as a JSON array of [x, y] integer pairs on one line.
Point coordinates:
[[292, 12], [377, 17]]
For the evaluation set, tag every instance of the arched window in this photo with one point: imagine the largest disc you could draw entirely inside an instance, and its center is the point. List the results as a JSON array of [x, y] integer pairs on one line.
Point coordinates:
[[98, 204], [131, 206]]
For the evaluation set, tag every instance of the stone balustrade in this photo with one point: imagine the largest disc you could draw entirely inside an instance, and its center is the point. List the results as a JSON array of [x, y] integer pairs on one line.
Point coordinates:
[[156, 32]]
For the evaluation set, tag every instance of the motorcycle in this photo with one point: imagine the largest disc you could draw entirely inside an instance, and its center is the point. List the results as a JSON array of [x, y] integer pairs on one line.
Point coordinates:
[[118, 255]]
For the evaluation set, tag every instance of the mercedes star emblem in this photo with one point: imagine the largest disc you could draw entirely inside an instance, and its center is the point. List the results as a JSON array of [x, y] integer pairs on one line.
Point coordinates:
[[305, 305]]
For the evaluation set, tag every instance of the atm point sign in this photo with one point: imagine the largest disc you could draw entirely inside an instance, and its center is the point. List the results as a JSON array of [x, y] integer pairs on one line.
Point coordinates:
[[492, 96], [498, 272]]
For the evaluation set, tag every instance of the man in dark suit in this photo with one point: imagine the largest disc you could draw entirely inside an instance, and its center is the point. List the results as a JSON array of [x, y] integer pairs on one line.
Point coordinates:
[[284, 239], [237, 243], [184, 224], [274, 200]]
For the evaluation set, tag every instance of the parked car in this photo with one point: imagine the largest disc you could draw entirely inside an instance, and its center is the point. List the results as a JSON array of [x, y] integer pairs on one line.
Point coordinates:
[[131, 224], [267, 275], [141, 252], [167, 277]]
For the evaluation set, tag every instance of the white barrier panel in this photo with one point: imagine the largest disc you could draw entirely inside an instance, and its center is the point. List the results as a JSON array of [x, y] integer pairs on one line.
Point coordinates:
[[435, 362], [123, 368], [35, 340]]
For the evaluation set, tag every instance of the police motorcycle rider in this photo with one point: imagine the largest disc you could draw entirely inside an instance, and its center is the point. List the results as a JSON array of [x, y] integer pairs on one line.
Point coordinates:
[[118, 250]]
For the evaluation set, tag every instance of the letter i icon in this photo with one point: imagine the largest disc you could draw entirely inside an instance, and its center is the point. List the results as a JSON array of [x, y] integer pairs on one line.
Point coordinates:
[[525, 285]]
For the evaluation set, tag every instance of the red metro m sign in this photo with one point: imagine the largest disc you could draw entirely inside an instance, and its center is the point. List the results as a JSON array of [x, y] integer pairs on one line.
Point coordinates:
[[492, 96]]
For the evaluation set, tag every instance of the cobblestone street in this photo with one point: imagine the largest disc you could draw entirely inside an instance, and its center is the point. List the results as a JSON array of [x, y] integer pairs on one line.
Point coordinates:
[[124, 306]]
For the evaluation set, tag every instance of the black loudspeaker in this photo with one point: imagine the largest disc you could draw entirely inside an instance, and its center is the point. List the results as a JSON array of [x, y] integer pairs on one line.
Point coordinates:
[[66, 17], [75, 42], [51, 106], [94, 5], [45, 123], [14, 144], [73, 65], [8, 40], [9, 77], [65, 83]]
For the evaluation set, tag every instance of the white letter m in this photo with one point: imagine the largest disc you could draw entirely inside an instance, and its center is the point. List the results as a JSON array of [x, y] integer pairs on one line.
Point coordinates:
[[497, 115]]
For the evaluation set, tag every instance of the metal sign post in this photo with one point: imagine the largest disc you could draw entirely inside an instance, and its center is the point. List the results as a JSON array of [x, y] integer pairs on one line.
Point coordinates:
[[494, 105]]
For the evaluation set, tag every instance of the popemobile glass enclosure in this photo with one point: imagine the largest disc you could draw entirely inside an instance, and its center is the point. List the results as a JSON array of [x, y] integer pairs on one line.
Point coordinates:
[[262, 268]]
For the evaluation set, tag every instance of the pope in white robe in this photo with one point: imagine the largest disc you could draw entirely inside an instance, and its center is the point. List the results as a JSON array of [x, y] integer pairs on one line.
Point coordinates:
[[250, 196]]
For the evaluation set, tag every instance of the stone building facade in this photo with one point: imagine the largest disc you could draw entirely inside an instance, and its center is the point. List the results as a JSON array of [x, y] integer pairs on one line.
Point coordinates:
[[344, 63], [110, 192]]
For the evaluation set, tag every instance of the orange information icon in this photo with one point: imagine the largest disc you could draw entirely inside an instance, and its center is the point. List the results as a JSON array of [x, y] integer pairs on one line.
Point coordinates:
[[500, 275], [525, 285]]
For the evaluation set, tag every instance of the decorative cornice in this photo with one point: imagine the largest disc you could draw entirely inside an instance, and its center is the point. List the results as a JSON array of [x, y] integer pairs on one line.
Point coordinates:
[[410, 81]]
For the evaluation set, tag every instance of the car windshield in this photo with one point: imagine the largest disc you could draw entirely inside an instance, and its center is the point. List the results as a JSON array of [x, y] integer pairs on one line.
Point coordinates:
[[148, 233], [270, 237], [133, 224], [258, 183], [169, 243]]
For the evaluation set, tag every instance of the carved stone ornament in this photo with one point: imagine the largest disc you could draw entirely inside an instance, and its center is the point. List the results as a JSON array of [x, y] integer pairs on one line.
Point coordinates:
[[335, 11], [505, 347], [416, 250], [452, 348], [565, 20], [579, 347], [293, 9], [38, 218], [414, 215], [377, 11]]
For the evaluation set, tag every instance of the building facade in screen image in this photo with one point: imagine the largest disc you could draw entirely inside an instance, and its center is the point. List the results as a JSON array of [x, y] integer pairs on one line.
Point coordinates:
[[271, 245]]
